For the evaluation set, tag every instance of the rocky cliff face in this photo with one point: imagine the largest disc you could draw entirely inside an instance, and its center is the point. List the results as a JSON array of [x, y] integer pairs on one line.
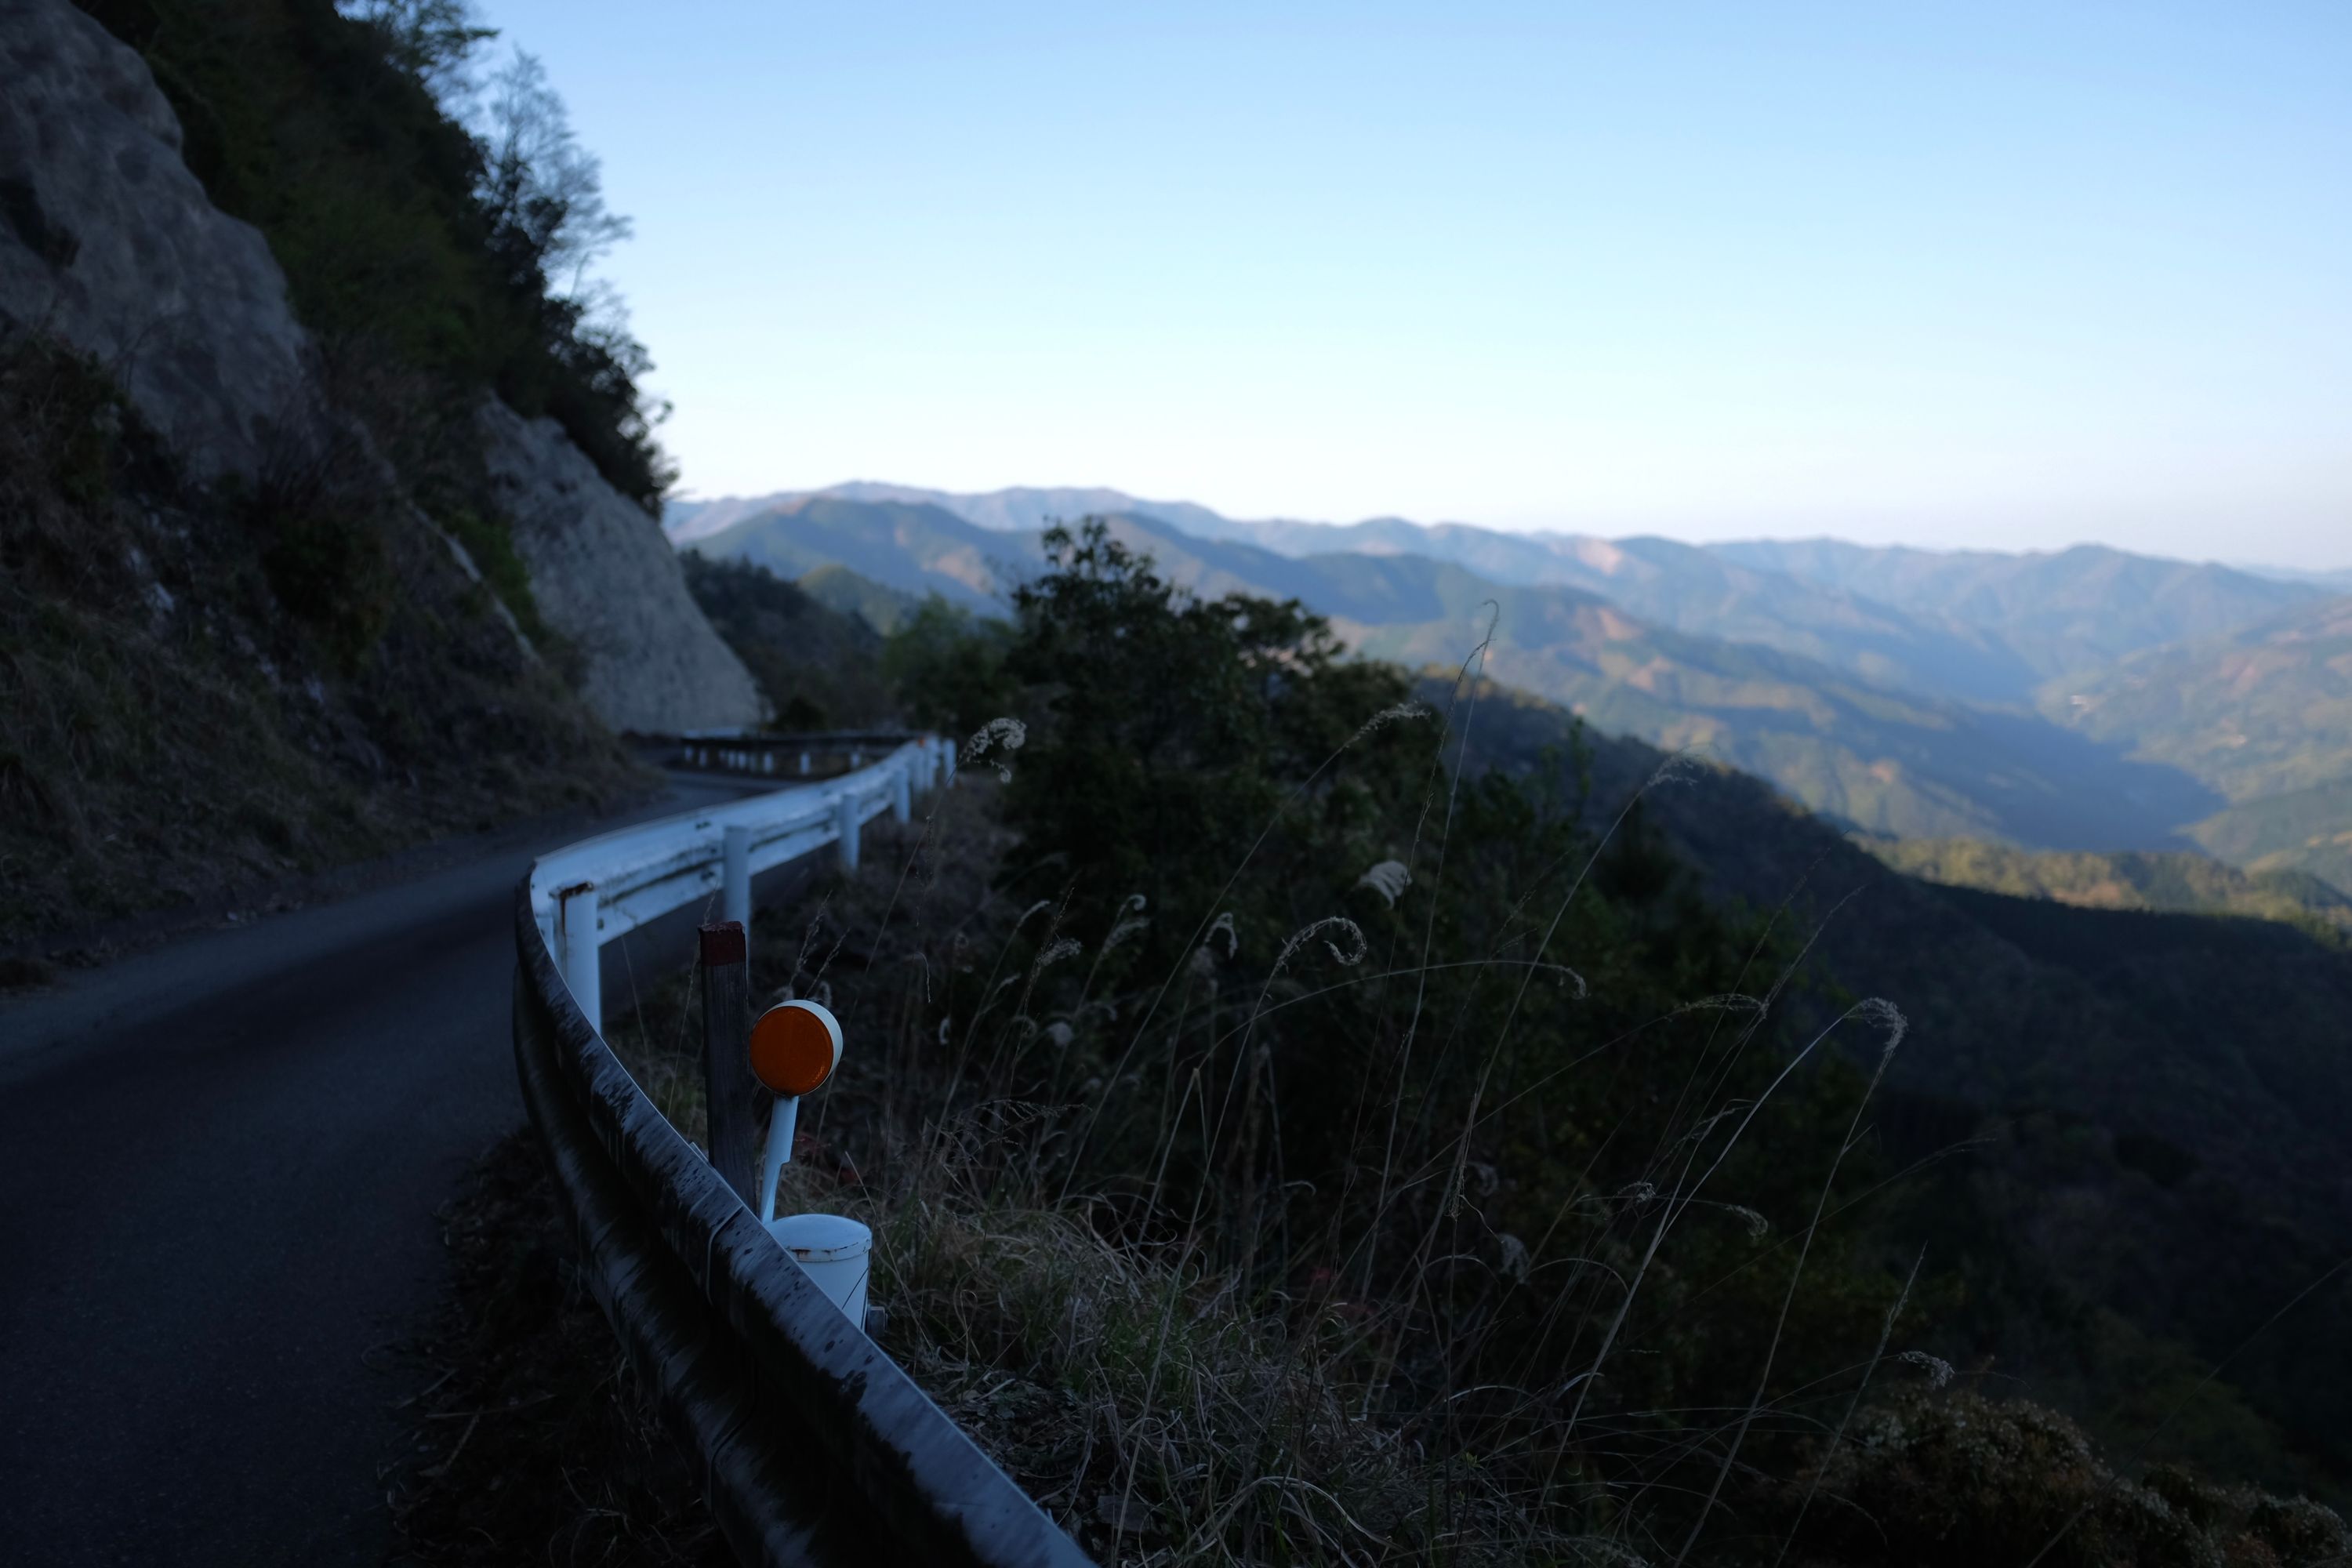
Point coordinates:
[[606, 579], [109, 244]]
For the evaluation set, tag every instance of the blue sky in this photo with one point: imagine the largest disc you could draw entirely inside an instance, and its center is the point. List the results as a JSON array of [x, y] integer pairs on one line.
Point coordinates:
[[2013, 276]]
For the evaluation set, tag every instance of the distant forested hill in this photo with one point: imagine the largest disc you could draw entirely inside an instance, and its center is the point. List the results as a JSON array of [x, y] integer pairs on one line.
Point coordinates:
[[1916, 693], [1881, 759], [2060, 612], [1979, 626], [2264, 711]]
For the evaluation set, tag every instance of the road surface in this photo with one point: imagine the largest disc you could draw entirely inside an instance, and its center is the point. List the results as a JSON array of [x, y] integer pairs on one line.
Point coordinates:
[[219, 1164]]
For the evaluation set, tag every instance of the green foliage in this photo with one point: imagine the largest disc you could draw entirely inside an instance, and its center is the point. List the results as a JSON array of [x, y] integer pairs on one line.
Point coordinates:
[[947, 665], [1389, 1094], [491, 544], [883, 609], [405, 253], [814, 664], [1170, 720]]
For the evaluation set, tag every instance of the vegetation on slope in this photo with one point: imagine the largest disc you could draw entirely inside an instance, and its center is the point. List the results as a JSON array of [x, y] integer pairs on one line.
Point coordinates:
[[2307, 830], [2264, 711], [883, 609], [209, 689], [204, 692], [1286, 1148], [817, 666], [2131, 1121], [428, 263], [2177, 881]]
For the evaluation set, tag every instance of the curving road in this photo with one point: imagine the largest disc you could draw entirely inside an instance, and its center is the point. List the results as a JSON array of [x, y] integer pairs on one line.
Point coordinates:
[[219, 1164]]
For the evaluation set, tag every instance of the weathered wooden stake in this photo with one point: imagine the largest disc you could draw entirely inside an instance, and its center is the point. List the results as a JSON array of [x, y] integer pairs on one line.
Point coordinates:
[[736, 1100]]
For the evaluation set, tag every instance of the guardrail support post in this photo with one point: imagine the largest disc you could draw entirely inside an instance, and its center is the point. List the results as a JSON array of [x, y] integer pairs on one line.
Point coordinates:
[[902, 803], [575, 925], [736, 903], [730, 1095], [845, 827], [948, 758]]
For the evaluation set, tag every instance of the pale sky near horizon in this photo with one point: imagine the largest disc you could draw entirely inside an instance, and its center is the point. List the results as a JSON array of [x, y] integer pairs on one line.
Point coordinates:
[[2007, 275]]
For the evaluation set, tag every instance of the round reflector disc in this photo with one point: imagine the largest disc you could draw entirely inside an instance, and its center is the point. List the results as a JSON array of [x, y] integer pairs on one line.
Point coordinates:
[[795, 1046]]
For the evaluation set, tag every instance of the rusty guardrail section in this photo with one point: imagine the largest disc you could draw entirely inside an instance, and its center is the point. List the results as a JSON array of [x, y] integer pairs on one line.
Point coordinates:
[[813, 1447]]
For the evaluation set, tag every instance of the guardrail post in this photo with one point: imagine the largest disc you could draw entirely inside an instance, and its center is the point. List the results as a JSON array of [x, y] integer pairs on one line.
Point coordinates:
[[804, 764], [845, 828], [736, 901], [948, 758], [730, 1095], [575, 925], [902, 783]]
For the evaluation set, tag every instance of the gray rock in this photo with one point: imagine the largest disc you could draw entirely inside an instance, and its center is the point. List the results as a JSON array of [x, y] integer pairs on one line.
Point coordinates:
[[606, 579], [108, 242]]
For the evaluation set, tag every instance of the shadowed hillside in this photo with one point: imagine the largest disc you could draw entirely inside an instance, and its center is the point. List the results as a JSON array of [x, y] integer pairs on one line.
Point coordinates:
[[2152, 1105]]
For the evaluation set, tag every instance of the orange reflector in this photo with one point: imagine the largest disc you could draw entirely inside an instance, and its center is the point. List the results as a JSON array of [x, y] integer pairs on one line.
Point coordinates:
[[795, 1046]]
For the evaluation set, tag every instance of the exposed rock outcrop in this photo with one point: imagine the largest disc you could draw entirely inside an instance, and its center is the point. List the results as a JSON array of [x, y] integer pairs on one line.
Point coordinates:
[[605, 578], [111, 245], [108, 242]]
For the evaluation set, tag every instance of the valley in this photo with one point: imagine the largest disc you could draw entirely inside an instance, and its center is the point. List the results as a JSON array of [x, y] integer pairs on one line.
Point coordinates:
[[2086, 699]]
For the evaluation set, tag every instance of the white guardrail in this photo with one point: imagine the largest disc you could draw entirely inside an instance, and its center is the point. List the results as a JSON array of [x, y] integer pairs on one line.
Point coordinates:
[[813, 1448], [598, 889]]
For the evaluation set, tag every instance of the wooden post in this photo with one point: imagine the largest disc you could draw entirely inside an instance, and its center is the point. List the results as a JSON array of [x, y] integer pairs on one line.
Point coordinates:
[[732, 1095]]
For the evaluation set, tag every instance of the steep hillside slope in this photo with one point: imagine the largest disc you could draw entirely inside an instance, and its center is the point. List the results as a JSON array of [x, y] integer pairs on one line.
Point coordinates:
[[610, 586], [244, 637], [2262, 716], [818, 667], [2154, 1104], [839, 588], [915, 549], [2264, 711], [2304, 830]]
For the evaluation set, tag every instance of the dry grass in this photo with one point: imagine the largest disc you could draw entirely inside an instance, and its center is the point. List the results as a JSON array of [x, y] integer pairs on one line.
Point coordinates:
[[1198, 1367]]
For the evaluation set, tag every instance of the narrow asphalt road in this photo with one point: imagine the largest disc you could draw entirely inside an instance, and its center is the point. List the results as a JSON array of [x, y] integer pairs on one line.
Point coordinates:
[[219, 1164]]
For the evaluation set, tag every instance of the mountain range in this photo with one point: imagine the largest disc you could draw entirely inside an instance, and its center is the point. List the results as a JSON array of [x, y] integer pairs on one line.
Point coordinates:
[[2085, 698]]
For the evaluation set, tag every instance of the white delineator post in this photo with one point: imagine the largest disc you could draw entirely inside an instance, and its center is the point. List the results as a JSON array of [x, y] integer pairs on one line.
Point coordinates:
[[736, 902], [794, 1047], [575, 930]]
